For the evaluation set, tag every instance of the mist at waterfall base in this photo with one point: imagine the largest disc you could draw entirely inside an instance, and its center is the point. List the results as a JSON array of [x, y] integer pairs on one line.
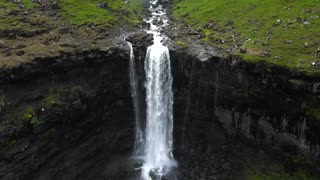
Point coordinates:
[[153, 145]]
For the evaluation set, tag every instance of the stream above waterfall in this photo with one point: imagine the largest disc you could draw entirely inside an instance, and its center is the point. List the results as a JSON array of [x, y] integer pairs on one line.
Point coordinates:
[[154, 144]]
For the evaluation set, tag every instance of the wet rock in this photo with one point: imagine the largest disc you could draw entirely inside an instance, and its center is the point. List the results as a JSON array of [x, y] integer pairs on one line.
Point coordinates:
[[140, 39]]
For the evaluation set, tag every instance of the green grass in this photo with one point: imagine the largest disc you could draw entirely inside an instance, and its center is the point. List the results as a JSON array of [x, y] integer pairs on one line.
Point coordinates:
[[81, 12], [28, 3], [6, 4], [254, 20]]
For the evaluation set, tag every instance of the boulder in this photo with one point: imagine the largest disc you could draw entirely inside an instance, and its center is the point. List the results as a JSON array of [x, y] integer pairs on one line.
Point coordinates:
[[140, 40]]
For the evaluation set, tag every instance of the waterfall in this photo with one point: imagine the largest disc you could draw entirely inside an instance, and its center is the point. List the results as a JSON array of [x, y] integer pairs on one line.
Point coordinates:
[[154, 143], [159, 100], [139, 135]]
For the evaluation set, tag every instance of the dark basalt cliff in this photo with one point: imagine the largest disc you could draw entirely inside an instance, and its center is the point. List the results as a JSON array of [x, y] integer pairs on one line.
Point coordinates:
[[263, 108], [65, 119], [68, 117]]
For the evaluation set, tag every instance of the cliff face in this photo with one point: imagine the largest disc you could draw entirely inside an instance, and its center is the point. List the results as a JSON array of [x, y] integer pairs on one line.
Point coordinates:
[[263, 108], [65, 120]]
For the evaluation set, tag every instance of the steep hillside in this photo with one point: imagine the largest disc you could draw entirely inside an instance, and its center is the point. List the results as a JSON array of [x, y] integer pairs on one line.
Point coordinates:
[[51, 28], [281, 32]]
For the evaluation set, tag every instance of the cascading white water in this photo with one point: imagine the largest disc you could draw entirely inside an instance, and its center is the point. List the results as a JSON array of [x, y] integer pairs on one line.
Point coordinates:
[[139, 135], [154, 143], [158, 159]]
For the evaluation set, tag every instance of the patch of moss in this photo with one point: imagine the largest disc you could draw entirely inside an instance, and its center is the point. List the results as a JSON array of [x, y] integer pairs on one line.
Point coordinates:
[[286, 29], [268, 170], [311, 106], [30, 116], [13, 142], [50, 100], [181, 43], [48, 134]]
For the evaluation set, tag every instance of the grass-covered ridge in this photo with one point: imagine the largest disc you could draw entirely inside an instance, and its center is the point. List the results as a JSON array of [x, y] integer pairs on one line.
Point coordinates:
[[282, 32], [79, 12], [87, 11]]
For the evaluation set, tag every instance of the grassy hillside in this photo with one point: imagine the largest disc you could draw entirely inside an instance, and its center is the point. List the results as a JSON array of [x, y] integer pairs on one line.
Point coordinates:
[[86, 11], [282, 32], [30, 29], [81, 12]]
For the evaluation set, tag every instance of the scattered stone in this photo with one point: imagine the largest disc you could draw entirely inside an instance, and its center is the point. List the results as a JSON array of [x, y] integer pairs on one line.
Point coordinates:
[[2, 44], [20, 46], [266, 54], [243, 49], [91, 25], [306, 45], [302, 61], [277, 58], [55, 6], [289, 41], [102, 5], [292, 21], [12, 35], [318, 50], [20, 53], [229, 23], [279, 21], [315, 64]]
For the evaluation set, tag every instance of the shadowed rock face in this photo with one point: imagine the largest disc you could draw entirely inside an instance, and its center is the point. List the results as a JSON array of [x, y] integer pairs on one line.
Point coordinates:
[[67, 124], [77, 122], [261, 109]]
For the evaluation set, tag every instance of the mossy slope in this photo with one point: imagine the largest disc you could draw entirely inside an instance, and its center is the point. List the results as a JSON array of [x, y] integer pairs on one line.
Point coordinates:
[[281, 32]]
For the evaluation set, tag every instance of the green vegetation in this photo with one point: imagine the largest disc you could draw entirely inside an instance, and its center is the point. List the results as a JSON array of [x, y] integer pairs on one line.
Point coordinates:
[[296, 168], [311, 106], [28, 3], [81, 12], [87, 11], [50, 100], [181, 43], [281, 32], [30, 116]]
